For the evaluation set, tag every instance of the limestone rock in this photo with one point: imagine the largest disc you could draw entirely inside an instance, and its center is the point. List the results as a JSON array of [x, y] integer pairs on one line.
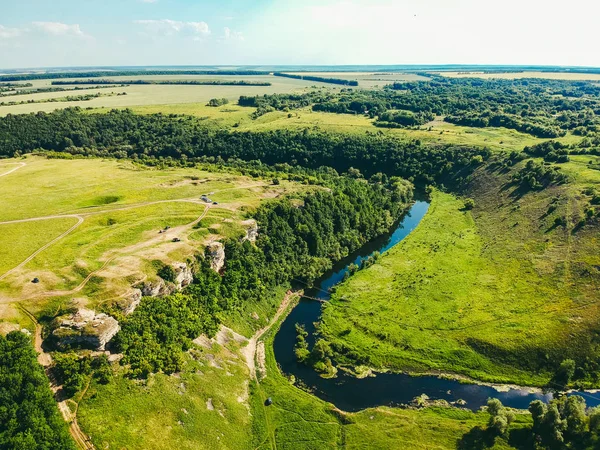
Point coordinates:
[[85, 329], [157, 288], [184, 277], [216, 252], [251, 230], [131, 302]]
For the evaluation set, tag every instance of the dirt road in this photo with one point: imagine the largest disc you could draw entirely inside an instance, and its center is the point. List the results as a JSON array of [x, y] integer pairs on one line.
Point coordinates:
[[249, 351], [13, 170]]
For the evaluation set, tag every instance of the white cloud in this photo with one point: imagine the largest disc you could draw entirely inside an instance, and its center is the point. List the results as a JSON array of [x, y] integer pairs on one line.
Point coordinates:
[[59, 29], [229, 34], [8, 33], [167, 27]]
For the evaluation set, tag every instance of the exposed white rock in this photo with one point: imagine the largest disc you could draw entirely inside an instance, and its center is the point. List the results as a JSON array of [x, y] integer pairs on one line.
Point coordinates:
[[85, 328], [216, 252], [184, 275], [251, 230], [132, 301], [157, 288]]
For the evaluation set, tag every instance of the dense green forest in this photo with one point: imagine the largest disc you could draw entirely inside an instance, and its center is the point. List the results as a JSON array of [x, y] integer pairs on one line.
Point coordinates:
[[29, 418], [300, 239], [124, 134], [341, 81]]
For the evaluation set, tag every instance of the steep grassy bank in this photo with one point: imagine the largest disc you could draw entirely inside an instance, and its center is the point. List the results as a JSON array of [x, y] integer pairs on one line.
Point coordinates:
[[500, 293]]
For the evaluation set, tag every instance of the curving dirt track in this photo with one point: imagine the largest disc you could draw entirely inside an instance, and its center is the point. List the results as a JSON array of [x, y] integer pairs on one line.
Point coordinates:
[[22, 164], [41, 249]]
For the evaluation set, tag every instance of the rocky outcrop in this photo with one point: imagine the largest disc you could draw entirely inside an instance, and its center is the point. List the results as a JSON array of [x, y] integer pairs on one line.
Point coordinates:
[[251, 230], [157, 288], [216, 253], [132, 301], [85, 329], [184, 275]]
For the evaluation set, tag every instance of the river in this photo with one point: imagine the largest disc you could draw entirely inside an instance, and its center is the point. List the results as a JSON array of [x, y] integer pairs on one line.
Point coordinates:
[[390, 389]]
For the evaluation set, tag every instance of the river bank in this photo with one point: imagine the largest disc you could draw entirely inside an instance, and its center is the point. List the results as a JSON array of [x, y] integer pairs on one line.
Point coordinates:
[[351, 393]]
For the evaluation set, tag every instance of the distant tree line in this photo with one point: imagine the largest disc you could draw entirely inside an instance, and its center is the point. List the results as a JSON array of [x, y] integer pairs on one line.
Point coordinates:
[[341, 81], [124, 73], [57, 89], [68, 98], [166, 82]]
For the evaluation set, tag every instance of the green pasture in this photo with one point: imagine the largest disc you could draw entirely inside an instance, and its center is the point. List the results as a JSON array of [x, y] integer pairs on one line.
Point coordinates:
[[486, 294]]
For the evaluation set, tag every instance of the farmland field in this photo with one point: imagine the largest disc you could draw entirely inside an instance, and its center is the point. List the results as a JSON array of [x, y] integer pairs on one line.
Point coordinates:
[[138, 95]]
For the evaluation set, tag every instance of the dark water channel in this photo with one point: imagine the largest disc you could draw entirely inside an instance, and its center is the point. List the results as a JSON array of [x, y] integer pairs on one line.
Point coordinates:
[[352, 394]]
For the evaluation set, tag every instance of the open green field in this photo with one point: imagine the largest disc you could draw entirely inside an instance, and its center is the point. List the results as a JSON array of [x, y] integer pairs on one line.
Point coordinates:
[[498, 294], [88, 228]]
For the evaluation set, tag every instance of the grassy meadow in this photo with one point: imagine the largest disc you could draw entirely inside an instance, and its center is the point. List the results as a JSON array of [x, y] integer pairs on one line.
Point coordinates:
[[92, 225], [487, 293], [203, 407]]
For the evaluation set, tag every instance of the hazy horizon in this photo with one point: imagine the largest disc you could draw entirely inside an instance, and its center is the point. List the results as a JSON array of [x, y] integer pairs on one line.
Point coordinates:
[[308, 67]]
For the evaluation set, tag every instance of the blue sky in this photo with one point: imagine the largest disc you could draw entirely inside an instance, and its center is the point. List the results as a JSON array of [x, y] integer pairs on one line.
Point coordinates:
[[41, 33]]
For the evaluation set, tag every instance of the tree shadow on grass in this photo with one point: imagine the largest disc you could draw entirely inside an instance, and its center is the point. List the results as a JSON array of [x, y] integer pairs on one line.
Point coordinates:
[[479, 438], [476, 439]]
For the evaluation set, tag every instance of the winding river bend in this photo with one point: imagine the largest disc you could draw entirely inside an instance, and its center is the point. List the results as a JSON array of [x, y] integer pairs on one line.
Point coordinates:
[[387, 389]]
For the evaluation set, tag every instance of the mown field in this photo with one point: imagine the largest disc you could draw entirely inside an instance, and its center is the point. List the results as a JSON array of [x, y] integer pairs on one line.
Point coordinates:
[[89, 229], [499, 293]]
